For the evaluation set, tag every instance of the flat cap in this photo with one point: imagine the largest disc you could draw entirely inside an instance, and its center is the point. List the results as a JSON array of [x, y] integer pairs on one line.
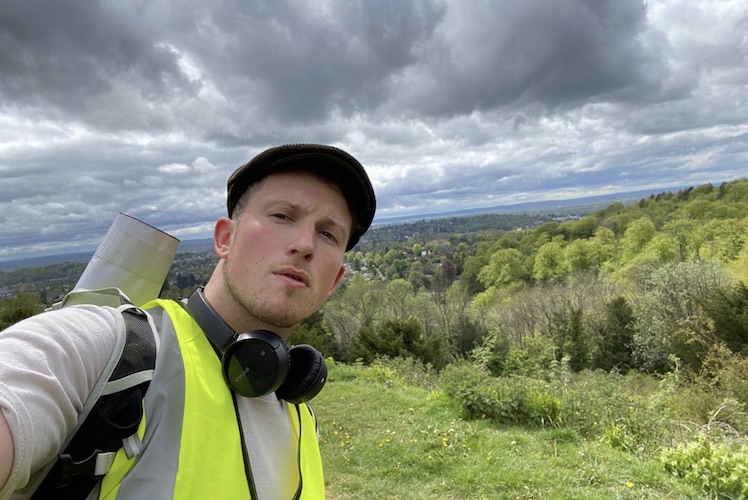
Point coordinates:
[[328, 162]]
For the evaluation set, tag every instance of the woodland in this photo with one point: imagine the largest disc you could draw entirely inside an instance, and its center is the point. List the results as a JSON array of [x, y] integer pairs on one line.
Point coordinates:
[[627, 324]]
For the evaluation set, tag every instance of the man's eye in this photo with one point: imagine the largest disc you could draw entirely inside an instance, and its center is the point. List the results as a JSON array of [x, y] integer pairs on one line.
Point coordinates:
[[329, 236]]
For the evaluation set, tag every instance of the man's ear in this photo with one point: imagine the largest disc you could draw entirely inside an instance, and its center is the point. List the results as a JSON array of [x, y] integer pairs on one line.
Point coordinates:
[[335, 284], [222, 235]]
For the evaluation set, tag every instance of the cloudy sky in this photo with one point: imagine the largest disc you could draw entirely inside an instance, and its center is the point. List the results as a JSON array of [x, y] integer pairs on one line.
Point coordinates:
[[146, 106]]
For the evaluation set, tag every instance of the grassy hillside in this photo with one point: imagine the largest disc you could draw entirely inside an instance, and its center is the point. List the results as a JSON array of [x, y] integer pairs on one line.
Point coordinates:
[[385, 437]]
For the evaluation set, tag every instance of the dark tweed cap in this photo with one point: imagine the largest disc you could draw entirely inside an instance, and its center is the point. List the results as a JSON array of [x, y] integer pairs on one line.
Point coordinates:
[[326, 161]]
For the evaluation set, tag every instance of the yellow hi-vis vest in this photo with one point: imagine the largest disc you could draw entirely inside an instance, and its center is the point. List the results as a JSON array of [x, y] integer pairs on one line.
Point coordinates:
[[189, 440]]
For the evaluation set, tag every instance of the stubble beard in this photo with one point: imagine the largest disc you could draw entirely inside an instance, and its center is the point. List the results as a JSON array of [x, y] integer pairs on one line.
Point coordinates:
[[261, 308]]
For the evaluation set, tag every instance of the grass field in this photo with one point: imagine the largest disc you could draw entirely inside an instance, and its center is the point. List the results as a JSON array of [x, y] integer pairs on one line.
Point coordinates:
[[387, 439]]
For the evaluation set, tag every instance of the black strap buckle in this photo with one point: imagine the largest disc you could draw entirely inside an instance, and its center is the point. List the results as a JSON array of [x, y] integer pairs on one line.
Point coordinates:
[[68, 468]]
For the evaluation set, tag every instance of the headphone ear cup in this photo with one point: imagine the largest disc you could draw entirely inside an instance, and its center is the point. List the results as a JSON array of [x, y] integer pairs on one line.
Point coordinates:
[[256, 363], [307, 374]]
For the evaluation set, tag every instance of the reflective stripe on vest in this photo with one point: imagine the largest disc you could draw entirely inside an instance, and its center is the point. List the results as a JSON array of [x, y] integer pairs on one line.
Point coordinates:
[[190, 432], [312, 478]]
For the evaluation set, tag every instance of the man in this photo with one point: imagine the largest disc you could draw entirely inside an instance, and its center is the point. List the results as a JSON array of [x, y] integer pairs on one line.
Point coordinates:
[[293, 212]]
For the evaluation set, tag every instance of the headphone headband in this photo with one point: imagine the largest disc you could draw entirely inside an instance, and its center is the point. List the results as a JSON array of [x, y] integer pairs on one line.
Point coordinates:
[[217, 330], [258, 362]]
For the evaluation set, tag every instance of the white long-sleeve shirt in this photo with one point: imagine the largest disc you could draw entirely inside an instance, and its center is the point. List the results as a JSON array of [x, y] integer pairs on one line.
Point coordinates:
[[45, 379], [49, 364]]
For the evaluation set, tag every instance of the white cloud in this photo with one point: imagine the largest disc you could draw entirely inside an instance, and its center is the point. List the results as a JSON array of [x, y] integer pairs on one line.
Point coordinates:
[[148, 107], [174, 168]]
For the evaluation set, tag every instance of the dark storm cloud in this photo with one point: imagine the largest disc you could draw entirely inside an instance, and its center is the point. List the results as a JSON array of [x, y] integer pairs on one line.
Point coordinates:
[[85, 61], [562, 53], [147, 106]]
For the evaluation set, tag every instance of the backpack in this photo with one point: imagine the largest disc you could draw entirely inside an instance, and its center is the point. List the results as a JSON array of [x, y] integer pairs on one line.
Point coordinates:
[[132, 261], [111, 415]]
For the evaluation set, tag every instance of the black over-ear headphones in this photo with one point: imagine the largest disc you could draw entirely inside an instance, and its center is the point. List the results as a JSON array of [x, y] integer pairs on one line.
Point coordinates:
[[258, 362]]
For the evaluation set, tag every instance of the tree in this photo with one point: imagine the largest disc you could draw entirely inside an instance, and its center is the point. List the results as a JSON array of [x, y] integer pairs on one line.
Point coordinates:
[[602, 247], [445, 275], [584, 228], [722, 239], [314, 331], [505, 267], [473, 267], [351, 307], [728, 311], [637, 235], [739, 267], [416, 276], [391, 256], [18, 307], [670, 317], [571, 339], [468, 335], [397, 298], [391, 338], [616, 337], [549, 262], [578, 256], [576, 344]]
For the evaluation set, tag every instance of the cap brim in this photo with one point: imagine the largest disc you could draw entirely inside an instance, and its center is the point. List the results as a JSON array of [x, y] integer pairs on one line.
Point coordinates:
[[326, 161]]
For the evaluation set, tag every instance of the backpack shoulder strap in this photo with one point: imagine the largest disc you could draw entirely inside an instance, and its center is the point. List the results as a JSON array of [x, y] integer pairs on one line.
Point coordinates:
[[111, 415]]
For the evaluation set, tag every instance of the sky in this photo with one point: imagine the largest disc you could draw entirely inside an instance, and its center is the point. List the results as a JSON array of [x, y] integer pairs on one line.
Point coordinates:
[[147, 106]]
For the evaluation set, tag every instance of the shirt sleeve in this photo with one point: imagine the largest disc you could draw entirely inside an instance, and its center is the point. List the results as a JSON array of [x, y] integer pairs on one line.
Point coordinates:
[[49, 364]]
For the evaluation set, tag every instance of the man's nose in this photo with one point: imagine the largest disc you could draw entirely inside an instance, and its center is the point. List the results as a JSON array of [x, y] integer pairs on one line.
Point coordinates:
[[303, 241]]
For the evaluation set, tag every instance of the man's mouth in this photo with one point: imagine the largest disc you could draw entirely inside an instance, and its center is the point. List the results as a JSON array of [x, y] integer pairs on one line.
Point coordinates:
[[294, 275]]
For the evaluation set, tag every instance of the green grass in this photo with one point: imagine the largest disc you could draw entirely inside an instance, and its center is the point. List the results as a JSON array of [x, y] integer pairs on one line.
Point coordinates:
[[382, 438]]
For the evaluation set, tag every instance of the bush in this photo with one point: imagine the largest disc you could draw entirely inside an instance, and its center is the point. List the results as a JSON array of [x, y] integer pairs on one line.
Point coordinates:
[[410, 371], [17, 308], [535, 355], [718, 395], [314, 331], [492, 354], [470, 386], [615, 408], [509, 400], [337, 371], [719, 469], [391, 338], [726, 373], [616, 336]]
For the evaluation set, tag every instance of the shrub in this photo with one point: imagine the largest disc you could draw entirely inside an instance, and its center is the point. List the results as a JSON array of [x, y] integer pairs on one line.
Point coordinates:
[[627, 412], [725, 373], [718, 395], [391, 338], [617, 436], [719, 469], [728, 310], [470, 386], [608, 406], [535, 355], [314, 331], [409, 370], [492, 354], [508, 400], [670, 319], [341, 371], [616, 335]]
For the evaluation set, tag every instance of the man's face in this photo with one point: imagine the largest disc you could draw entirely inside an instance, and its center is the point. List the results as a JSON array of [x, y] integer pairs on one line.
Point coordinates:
[[285, 253]]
